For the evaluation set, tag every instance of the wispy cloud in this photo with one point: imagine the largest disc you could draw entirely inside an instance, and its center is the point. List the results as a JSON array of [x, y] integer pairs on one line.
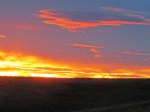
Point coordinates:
[[73, 21], [120, 10], [136, 53], [126, 12], [94, 49], [2, 36]]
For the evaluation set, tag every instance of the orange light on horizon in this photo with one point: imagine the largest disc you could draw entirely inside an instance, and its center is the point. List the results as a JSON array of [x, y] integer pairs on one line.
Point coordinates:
[[16, 64], [22, 65]]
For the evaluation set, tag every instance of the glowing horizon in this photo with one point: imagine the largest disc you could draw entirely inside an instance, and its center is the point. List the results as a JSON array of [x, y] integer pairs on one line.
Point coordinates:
[[17, 64]]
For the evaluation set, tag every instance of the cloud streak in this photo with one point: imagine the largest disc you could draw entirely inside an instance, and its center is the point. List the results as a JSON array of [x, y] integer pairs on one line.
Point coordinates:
[[136, 53], [120, 10], [116, 18], [126, 12], [2, 36], [94, 49]]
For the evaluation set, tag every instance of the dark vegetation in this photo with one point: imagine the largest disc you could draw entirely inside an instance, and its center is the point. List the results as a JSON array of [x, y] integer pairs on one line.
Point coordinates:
[[67, 95]]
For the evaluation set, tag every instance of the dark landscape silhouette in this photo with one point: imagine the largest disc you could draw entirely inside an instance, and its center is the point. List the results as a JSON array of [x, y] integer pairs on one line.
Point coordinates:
[[74, 95]]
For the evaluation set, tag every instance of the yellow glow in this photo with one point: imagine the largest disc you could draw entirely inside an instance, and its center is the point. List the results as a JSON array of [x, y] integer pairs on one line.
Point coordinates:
[[17, 64], [9, 73]]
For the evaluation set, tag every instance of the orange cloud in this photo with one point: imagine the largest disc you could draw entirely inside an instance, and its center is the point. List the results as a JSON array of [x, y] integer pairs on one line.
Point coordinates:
[[136, 53], [93, 49], [55, 18]]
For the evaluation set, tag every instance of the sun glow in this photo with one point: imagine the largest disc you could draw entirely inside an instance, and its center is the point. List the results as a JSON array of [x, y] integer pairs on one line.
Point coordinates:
[[17, 64], [22, 65]]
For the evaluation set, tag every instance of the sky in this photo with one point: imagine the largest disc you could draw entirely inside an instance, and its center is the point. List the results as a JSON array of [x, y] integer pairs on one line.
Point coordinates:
[[75, 38]]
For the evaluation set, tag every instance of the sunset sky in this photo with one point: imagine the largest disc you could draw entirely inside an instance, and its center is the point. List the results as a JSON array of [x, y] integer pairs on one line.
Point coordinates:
[[75, 38]]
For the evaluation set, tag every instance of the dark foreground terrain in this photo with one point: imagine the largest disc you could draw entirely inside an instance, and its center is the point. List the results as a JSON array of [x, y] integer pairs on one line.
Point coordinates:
[[74, 95]]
